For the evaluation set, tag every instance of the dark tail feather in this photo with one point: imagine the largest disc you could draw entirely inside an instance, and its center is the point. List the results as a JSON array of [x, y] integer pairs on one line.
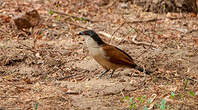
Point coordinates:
[[141, 69]]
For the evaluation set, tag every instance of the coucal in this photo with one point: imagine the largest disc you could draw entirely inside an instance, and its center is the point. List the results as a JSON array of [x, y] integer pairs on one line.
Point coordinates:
[[108, 56]]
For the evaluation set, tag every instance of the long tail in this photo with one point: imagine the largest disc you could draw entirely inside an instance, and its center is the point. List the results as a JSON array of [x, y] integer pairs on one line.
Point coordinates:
[[141, 69]]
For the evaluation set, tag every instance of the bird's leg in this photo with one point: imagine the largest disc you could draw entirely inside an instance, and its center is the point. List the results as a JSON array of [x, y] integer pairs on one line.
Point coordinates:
[[111, 74], [104, 73]]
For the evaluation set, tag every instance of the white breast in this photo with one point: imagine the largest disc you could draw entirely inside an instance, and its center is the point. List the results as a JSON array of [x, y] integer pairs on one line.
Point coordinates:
[[93, 47], [95, 51]]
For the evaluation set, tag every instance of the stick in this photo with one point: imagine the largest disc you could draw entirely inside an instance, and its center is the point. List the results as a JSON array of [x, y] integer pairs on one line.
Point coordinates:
[[111, 4], [66, 77], [75, 17], [142, 43], [144, 21], [133, 40], [118, 28], [78, 25], [152, 20], [8, 97], [72, 92]]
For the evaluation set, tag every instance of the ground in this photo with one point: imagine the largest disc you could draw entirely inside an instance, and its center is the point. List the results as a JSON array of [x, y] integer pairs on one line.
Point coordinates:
[[50, 69]]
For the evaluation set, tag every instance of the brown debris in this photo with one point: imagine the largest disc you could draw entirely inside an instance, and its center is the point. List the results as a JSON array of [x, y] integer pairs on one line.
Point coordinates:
[[55, 72], [28, 20]]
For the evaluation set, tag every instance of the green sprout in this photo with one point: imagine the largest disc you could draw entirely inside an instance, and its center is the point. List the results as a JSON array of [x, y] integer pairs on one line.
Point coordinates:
[[172, 94], [131, 102], [36, 106], [192, 93], [58, 18], [132, 30], [186, 84], [51, 12], [162, 106], [149, 101], [145, 108], [141, 99]]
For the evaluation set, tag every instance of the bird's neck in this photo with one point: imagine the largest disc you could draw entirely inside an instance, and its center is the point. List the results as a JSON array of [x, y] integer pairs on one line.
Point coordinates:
[[91, 43]]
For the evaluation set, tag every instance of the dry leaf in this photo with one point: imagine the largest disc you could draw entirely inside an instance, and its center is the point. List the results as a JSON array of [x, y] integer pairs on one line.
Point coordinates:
[[5, 19], [27, 80], [193, 15], [28, 20], [38, 37], [195, 41]]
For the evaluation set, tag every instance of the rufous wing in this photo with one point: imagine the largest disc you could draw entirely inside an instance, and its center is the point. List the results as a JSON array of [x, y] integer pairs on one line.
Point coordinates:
[[118, 56]]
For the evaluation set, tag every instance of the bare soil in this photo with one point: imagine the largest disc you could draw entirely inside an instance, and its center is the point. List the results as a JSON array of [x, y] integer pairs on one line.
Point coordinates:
[[51, 69]]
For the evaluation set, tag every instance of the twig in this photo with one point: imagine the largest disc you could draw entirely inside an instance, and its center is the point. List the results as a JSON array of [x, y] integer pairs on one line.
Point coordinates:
[[153, 96], [75, 17], [108, 35], [66, 77], [142, 43], [111, 4], [17, 3], [144, 21], [133, 39], [72, 92], [8, 97], [118, 28], [193, 30], [154, 30], [78, 25], [195, 80], [152, 20], [28, 48]]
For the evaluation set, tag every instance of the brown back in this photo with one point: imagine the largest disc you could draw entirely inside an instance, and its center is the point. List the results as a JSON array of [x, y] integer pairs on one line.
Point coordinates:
[[117, 56]]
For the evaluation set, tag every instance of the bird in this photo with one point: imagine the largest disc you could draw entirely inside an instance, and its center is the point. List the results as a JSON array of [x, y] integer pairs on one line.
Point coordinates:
[[108, 56]]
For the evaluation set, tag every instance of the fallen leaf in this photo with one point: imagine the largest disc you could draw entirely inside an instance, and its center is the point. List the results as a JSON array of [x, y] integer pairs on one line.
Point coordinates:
[[28, 20], [27, 80]]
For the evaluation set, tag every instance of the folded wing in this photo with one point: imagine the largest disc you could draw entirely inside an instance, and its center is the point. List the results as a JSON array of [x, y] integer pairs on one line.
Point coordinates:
[[118, 56]]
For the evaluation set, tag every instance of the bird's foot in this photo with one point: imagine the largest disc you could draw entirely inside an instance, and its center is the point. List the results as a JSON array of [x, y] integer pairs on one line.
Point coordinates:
[[111, 74], [103, 73]]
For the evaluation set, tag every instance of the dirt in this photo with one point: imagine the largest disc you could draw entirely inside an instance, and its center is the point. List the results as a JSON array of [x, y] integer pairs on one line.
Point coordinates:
[[51, 69]]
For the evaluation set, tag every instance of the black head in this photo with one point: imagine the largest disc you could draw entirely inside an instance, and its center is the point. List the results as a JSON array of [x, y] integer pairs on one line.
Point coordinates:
[[93, 35]]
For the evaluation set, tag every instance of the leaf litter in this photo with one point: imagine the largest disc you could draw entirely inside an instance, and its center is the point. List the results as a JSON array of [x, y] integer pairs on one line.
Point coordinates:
[[49, 68]]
